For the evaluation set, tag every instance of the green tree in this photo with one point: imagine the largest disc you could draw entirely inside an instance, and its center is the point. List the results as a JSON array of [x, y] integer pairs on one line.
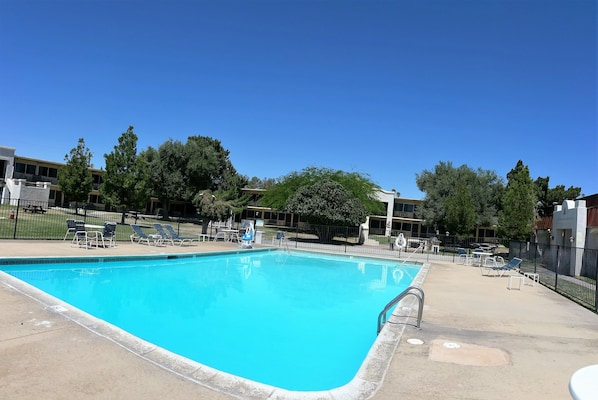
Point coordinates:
[[74, 178], [124, 185], [166, 167], [327, 203], [460, 210], [257, 183], [360, 186], [516, 219], [179, 172], [547, 197], [208, 167], [459, 199]]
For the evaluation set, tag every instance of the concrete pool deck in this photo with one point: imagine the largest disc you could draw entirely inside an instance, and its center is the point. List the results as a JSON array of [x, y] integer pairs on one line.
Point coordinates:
[[479, 340]]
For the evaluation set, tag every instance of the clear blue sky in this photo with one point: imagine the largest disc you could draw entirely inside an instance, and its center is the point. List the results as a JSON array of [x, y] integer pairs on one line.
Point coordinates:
[[384, 88]]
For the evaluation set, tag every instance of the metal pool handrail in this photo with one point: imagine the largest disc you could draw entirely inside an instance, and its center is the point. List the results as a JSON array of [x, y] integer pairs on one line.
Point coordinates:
[[409, 291]]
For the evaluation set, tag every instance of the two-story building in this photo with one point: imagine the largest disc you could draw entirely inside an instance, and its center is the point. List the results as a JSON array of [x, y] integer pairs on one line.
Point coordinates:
[[18, 173]]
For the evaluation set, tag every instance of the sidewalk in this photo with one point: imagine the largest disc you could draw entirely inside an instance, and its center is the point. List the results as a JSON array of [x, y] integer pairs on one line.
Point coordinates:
[[479, 340]]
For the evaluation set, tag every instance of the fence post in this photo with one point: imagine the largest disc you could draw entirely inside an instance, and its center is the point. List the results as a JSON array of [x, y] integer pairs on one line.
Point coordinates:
[[596, 287], [346, 238]]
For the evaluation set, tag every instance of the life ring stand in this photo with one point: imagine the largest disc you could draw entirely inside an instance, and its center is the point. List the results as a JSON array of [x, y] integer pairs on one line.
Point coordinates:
[[400, 241]]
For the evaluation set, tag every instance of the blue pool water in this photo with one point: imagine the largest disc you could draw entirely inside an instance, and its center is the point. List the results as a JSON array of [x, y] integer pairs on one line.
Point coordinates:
[[292, 320]]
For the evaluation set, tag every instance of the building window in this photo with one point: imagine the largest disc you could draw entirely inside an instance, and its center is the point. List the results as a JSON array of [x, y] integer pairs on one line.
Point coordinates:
[[52, 172], [52, 194], [19, 167], [30, 169], [404, 207]]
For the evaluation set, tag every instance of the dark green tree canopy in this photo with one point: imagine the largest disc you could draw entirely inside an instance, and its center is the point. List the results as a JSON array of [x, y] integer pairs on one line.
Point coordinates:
[[458, 199], [165, 168], [208, 167], [124, 183], [516, 219], [257, 183], [180, 171], [547, 197], [74, 178]]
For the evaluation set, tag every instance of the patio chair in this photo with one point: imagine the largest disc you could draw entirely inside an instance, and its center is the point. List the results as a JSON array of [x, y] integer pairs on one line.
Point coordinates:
[[495, 261], [70, 228], [108, 233], [464, 258], [175, 237], [80, 237], [139, 236], [512, 265]]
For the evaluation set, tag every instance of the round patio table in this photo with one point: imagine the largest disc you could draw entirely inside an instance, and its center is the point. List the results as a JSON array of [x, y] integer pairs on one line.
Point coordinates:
[[584, 383]]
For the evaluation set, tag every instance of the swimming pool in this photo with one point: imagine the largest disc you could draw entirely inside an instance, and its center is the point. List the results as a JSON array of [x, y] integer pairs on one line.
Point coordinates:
[[292, 320]]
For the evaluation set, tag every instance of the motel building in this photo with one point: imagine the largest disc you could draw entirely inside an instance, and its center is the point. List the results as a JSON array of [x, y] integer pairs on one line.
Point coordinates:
[[24, 178]]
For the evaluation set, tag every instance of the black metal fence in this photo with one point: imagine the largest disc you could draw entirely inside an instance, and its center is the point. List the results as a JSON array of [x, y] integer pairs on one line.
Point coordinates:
[[29, 219], [570, 271]]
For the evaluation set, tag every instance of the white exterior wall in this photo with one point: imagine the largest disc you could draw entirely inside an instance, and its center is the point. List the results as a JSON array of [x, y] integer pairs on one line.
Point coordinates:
[[388, 198], [17, 190], [7, 154], [569, 229]]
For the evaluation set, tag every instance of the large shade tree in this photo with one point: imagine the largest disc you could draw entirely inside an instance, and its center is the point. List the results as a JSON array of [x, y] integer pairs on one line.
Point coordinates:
[[459, 199], [166, 168], [208, 167], [74, 178], [325, 197], [180, 172], [124, 183], [359, 185], [326, 203]]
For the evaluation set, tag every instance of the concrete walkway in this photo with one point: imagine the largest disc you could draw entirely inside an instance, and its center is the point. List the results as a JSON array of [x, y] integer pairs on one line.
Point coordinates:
[[478, 340]]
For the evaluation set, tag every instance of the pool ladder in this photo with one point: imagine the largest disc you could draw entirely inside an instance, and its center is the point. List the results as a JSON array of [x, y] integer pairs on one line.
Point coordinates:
[[411, 290]]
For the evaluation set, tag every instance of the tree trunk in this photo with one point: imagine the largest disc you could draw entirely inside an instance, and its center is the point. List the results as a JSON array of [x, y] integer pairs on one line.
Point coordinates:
[[204, 226]]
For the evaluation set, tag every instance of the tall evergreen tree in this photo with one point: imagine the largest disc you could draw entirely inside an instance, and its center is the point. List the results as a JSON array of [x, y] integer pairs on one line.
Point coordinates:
[[124, 186], [74, 178], [516, 219]]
